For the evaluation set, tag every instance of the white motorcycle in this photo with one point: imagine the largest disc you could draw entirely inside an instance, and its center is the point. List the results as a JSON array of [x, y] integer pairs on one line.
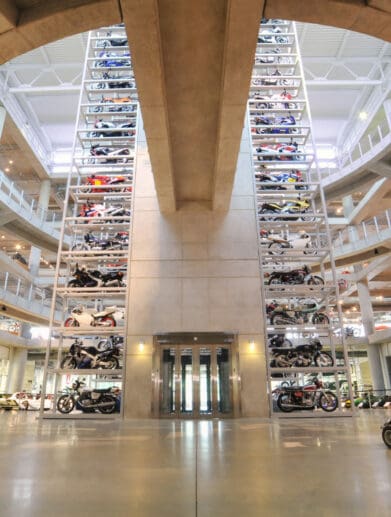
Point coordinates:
[[277, 244], [108, 317]]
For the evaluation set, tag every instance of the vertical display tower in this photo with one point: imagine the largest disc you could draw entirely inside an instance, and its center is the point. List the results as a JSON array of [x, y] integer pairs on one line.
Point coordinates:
[[308, 367], [85, 358]]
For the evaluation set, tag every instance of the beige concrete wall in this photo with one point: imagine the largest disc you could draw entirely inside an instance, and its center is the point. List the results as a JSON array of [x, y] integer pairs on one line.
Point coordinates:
[[195, 270]]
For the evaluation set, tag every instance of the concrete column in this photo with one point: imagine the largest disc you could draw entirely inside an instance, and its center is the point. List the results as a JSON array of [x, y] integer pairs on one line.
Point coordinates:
[[368, 323], [17, 365], [44, 196]]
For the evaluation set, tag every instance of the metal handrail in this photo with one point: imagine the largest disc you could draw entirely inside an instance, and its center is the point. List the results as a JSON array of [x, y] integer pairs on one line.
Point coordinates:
[[365, 231]]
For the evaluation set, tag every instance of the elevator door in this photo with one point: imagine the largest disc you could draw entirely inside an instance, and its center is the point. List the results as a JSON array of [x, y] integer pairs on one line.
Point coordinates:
[[195, 381]]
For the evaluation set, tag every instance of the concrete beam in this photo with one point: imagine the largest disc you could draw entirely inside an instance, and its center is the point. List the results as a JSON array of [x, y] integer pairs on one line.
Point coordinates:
[[369, 204], [381, 168], [9, 15]]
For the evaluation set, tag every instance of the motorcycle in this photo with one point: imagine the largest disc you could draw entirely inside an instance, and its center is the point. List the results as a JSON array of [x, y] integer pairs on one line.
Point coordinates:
[[386, 433], [113, 82], [91, 243], [87, 400], [96, 211], [278, 121], [81, 356], [110, 129], [301, 356], [279, 340], [99, 183], [272, 35], [279, 152], [272, 80], [295, 277], [113, 155], [114, 343], [307, 312], [80, 317], [293, 177], [94, 278], [113, 40], [113, 60], [278, 244], [307, 397], [274, 102], [115, 105], [286, 210]]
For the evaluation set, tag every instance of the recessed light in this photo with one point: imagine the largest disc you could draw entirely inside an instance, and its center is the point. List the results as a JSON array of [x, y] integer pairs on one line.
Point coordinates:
[[11, 161], [363, 115], [18, 246], [6, 169]]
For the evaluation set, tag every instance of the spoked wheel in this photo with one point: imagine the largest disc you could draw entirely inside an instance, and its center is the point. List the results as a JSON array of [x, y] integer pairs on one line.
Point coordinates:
[[328, 401], [320, 319], [283, 401], [386, 435], [315, 280], [71, 322], [274, 280], [111, 364], [68, 362], [110, 408], [324, 360], [65, 404], [276, 249]]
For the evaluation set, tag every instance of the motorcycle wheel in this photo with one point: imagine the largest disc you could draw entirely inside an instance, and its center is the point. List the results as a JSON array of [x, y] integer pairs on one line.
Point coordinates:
[[320, 319], [328, 401], [281, 362], [110, 320], [111, 364], [65, 404], [386, 435], [278, 320], [71, 322], [315, 280], [74, 283], [108, 409], [274, 280], [275, 249], [324, 360], [284, 398], [68, 363], [79, 247]]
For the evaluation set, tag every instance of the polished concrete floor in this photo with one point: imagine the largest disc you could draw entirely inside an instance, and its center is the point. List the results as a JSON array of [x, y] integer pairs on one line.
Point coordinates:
[[322, 468]]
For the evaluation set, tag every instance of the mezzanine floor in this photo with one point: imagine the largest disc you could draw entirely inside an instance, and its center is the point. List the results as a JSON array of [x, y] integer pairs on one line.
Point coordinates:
[[328, 468]]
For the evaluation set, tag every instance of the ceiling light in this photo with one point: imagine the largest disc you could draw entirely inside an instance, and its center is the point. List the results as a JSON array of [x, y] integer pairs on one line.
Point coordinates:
[[6, 169], [10, 162], [3, 236], [339, 210], [18, 246], [379, 298], [363, 115]]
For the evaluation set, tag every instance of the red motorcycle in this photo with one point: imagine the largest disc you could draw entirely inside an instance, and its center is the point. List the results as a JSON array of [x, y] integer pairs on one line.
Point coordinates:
[[97, 183]]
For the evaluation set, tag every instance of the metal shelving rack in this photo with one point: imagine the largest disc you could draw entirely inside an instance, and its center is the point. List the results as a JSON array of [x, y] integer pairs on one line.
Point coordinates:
[[108, 98], [286, 174]]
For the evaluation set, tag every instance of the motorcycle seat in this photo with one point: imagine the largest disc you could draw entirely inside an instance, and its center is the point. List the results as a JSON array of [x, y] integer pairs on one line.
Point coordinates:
[[102, 390]]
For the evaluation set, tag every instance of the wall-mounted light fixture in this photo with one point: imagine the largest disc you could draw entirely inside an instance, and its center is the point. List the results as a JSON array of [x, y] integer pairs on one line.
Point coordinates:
[[141, 346], [251, 345]]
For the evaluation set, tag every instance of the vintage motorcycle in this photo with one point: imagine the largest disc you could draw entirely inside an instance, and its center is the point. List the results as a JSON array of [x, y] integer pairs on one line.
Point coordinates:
[[81, 356], [120, 241], [277, 244], [286, 210], [279, 340], [307, 397], [84, 278], [301, 356], [306, 312], [273, 126], [87, 400], [293, 178], [272, 36], [386, 433], [281, 101], [80, 317], [109, 155], [110, 129], [279, 152], [99, 183], [97, 211], [294, 277], [115, 105]]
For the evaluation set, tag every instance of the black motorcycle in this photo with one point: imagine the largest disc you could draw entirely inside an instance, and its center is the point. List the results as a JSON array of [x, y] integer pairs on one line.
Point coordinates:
[[279, 340], [81, 356], [87, 400], [386, 433], [94, 278], [110, 129], [307, 312], [294, 277], [307, 397], [120, 241], [301, 356]]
